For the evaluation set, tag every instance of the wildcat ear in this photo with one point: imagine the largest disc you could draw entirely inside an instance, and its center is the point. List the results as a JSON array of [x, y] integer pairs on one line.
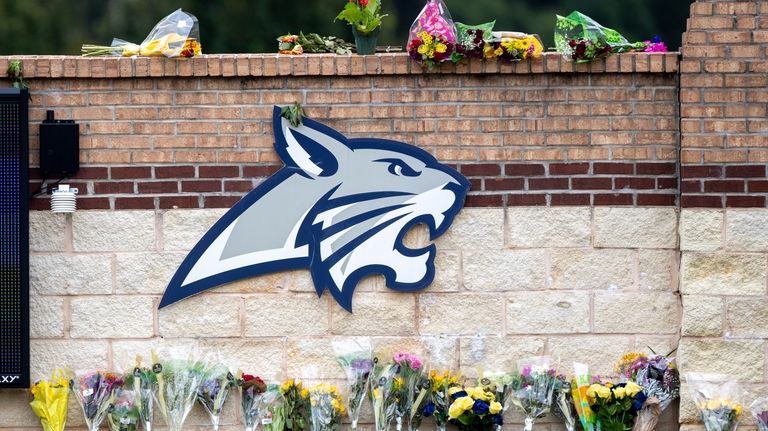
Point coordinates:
[[313, 148]]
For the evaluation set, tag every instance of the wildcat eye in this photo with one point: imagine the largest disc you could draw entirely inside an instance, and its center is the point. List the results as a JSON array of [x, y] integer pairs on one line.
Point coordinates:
[[399, 168]]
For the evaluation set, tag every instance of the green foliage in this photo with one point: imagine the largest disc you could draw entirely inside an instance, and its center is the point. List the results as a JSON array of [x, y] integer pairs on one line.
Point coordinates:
[[293, 113], [365, 18]]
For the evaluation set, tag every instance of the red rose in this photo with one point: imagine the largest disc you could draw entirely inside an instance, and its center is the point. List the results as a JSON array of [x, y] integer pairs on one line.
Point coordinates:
[[364, 3]]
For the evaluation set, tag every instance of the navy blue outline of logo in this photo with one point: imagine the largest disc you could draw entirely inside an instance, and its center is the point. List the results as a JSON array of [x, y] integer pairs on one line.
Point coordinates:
[[312, 234]]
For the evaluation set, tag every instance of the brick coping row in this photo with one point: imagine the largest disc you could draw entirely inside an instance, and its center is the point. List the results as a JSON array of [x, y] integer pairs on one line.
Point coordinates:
[[242, 65]]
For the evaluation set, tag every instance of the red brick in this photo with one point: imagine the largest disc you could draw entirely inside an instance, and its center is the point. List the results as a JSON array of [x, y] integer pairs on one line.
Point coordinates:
[[656, 169], [484, 201], [570, 199], [504, 184], [92, 204], [102, 188], [758, 186], [219, 171], [666, 183], [476, 184], [174, 172], [523, 170], [745, 201], [238, 186], [40, 204], [90, 173], [220, 201], [481, 170], [260, 171], [134, 203], [613, 168], [591, 184], [526, 200], [690, 186], [701, 201], [568, 168], [724, 186], [656, 199], [158, 187], [201, 186], [701, 171], [745, 171], [613, 199], [635, 183], [130, 172], [548, 183], [168, 202]]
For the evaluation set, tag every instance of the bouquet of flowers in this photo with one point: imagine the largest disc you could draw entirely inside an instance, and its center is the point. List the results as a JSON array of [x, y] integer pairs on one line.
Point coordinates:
[[142, 381], [291, 44], [252, 389], [176, 35], [432, 38], [513, 46], [471, 39], [442, 384], [660, 380], [759, 409], [615, 406], [49, 401], [93, 390], [296, 407], [124, 413], [213, 392], [363, 15], [717, 398], [579, 387], [178, 381], [354, 357], [272, 409], [501, 385], [409, 384], [533, 388], [327, 407], [474, 408], [564, 407], [383, 394], [582, 39]]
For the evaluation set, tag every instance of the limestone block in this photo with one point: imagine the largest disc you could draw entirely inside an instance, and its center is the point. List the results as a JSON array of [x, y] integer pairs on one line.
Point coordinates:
[[112, 317], [723, 274], [204, 315], [145, 273], [273, 282], [600, 352], [474, 228], [47, 231], [182, 229], [635, 227], [743, 360], [547, 312], [47, 355], [286, 314], [660, 344], [701, 230], [376, 313], [747, 230], [593, 269], [461, 314], [702, 315], [70, 274], [46, 316], [497, 353], [264, 356], [658, 270], [549, 227], [660, 311], [125, 351], [312, 358], [447, 270], [113, 230], [747, 317], [505, 270]]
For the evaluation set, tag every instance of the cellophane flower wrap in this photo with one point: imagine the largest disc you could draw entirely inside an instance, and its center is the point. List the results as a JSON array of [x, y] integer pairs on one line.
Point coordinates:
[[327, 408], [123, 414], [615, 405], [408, 386], [718, 398], [500, 383], [251, 389], [49, 401], [471, 39], [272, 410], [582, 39], [759, 410], [432, 37], [214, 390], [142, 381], [441, 383], [356, 359], [513, 46], [178, 381], [176, 35], [383, 394], [93, 391], [533, 388], [296, 404], [474, 409], [660, 380], [562, 405]]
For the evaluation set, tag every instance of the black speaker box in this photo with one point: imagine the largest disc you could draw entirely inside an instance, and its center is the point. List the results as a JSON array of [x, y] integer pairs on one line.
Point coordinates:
[[59, 147]]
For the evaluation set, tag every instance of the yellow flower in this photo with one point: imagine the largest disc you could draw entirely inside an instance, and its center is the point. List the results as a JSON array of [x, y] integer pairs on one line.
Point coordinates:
[[460, 406], [305, 393], [488, 51], [286, 386], [632, 389], [441, 48], [422, 49], [455, 411], [398, 383], [598, 391], [737, 409], [426, 38], [498, 52], [454, 389], [619, 392], [376, 393], [494, 408]]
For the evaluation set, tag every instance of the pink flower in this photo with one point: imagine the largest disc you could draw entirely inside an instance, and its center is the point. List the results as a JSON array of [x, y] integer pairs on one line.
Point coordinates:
[[364, 3], [403, 358]]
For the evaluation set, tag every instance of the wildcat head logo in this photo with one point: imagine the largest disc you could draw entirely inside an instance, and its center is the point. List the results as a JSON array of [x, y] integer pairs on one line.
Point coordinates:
[[339, 207]]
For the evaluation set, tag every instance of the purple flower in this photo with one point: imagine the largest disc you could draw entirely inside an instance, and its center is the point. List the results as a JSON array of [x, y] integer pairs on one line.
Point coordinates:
[[763, 417], [526, 372], [362, 365]]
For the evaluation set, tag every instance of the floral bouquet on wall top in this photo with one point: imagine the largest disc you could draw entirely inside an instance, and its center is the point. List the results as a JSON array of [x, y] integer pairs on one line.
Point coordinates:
[[142, 381], [326, 407], [355, 358], [442, 384], [93, 390], [214, 390], [474, 409], [178, 381], [472, 39], [759, 409], [296, 404], [660, 380], [408, 386], [123, 414], [364, 16], [513, 46], [582, 39], [252, 389], [615, 406], [49, 401], [383, 394], [533, 388], [717, 398], [500, 384], [176, 35], [432, 38]]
